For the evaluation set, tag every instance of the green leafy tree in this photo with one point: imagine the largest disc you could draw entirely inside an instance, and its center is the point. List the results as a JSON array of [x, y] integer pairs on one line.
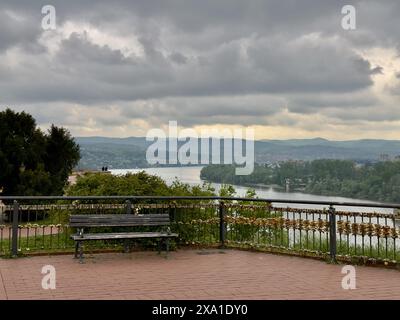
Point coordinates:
[[139, 184], [378, 181], [60, 157], [133, 184], [33, 162]]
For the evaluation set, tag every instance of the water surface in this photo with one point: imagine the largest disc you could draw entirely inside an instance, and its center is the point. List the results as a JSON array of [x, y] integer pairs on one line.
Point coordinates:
[[191, 176]]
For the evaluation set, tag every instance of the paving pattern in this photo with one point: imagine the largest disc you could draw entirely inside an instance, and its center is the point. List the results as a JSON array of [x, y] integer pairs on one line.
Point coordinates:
[[191, 274]]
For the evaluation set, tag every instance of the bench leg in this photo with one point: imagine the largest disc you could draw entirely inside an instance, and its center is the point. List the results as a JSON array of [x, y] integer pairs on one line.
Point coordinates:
[[126, 246], [166, 247], [76, 249], [159, 246], [80, 252]]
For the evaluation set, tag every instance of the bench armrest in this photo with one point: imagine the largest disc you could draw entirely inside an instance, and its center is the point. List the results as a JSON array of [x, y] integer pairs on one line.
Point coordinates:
[[80, 232], [166, 230]]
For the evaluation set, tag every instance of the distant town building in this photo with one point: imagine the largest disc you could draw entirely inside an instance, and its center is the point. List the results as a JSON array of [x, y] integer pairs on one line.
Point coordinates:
[[384, 157], [287, 185]]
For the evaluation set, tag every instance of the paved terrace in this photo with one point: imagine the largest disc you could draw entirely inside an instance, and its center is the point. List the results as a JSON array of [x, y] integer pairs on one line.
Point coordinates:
[[191, 274]]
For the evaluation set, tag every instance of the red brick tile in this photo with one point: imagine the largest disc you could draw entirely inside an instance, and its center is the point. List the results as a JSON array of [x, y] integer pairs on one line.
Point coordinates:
[[188, 275]]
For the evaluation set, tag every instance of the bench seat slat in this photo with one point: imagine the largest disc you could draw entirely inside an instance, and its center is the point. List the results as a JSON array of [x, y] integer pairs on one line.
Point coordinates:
[[119, 216], [82, 225], [122, 235], [118, 220], [94, 216]]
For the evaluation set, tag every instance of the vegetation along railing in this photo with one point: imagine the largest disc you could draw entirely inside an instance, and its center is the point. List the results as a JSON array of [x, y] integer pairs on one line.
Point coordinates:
[[352, 232]]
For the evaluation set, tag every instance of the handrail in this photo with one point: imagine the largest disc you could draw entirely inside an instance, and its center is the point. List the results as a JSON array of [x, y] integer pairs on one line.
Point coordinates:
[[314, 202], [292, 220]]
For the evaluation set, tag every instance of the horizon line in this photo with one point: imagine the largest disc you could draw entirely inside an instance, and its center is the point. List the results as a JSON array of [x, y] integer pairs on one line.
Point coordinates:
[[262, 139]]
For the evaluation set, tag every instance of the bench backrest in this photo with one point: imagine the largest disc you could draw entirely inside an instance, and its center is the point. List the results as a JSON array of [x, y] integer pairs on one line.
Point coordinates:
[[118, 220]]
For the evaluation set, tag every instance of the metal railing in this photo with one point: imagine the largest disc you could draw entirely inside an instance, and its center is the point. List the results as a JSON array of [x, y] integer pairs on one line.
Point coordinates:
[[348, 231]]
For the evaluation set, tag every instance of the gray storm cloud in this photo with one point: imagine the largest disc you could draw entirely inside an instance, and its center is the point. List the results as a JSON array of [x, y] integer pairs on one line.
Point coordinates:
[[261, 63]]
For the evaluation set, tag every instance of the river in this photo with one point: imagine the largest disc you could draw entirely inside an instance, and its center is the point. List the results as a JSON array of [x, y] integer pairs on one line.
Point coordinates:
[[191, 176]]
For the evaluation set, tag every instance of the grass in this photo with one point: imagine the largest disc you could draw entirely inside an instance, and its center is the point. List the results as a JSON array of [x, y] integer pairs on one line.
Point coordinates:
[[61, 242], [200, 227]]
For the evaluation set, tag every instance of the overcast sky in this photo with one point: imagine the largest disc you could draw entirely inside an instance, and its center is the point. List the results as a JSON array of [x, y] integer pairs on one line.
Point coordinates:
[[286, 68]]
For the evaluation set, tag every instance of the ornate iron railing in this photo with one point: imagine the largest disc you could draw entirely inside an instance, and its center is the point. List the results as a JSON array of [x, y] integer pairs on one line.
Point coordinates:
[[353, 232]]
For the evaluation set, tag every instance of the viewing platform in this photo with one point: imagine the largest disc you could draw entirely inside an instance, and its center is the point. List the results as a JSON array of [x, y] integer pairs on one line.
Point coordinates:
[[192, 274], [327, 230], [225, 248]]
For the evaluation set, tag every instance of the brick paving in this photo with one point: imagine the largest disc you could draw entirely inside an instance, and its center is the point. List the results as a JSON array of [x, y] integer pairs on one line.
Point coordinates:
[[191, 274]]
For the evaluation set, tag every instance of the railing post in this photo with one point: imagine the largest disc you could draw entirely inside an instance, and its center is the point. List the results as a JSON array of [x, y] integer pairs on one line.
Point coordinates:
[[332, 233], [1, 212], [14, 240], [128, 207], [222, 226]]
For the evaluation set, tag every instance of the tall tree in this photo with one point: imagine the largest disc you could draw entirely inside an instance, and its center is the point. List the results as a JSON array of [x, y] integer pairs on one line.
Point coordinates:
[[61, 156], [32, 162]]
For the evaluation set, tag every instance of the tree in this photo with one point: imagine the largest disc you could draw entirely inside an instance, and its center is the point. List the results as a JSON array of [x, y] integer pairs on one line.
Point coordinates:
[[61, 156], [32, 162], [137, 184]]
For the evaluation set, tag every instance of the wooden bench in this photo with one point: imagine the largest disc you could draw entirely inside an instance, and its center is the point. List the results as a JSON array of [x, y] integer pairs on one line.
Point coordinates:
[[82, 221]]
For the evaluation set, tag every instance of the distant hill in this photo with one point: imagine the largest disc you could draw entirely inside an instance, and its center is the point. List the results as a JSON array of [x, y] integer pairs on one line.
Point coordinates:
[[112, 152], [130, 152]]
